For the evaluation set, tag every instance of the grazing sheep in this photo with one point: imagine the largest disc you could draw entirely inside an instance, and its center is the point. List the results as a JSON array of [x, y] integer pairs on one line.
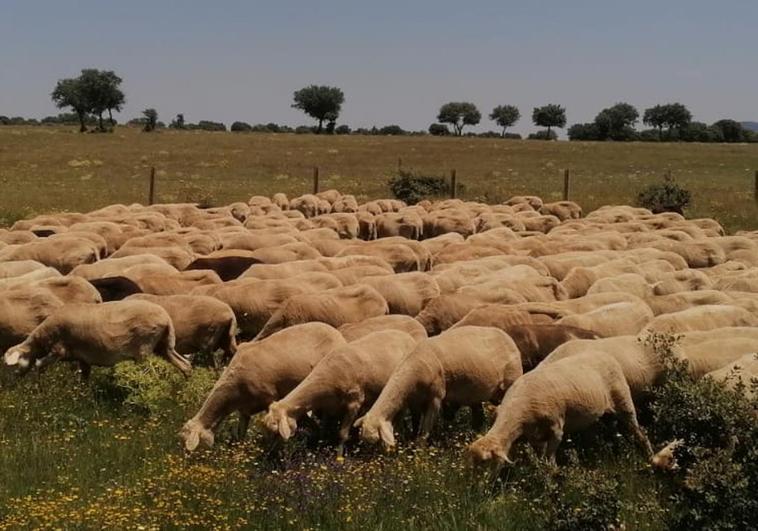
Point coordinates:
[[69, 289], [334, 307], [260, 373], [402, 323], [226, 267], [22, 310], [617, 319], [115, 266], [405, 293], [706, 317], [19, 268], [461, 368], [677, 302], [255, 301], [562, 397], [201, 323], [64, 254], [99, 334], [342, 384]]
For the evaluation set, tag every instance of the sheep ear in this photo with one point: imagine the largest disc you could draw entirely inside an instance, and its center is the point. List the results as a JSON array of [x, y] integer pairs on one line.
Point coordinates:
[[387, 433], [284, 429], [358, 423], [192, 441]]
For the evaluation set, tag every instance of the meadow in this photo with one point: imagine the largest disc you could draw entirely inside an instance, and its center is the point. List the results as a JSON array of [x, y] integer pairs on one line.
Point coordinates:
[[46, 169], [105, 454]]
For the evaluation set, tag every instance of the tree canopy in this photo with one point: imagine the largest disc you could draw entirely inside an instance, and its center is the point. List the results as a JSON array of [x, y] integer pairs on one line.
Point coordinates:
[[671, 115], [92, 92], [505, 116], [459, 114], [617, 122], [549, 116], [321, 103]]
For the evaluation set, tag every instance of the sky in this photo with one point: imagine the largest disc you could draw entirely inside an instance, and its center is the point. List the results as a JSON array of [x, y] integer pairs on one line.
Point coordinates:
[[396, 61]]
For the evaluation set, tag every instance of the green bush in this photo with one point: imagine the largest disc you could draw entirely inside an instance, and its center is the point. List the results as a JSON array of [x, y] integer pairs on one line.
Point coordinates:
[[543, 135], [241, 127], [439, 130], [412, 188], [716, 483], [664, 197]]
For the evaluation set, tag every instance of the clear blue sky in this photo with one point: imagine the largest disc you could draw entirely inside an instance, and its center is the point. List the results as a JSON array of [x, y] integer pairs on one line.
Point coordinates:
[[396, 61]]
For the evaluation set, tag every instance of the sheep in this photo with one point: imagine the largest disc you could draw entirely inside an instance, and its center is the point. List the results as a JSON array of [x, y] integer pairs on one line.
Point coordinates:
[[335, 307], [706, 317], [462, 367], [402, 323], [559, 398], [617, 319], [201, 323], [22, 310], [342, 384], [742, 372], [99, 334], [260, 373], [405, 293], [115, 266], [676, 302]]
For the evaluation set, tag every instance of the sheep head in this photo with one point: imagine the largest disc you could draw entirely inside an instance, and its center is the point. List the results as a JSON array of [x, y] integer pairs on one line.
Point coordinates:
[[487, 450], [665, 459], [277, 420], [193, 433], [375, 429], [21, 357]]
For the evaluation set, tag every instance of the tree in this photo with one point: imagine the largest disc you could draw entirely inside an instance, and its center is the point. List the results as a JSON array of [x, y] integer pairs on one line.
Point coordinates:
[[549, 116], [438, 130], [151, 120], [320, 102], [68, 93], [730, 130], [102, 92], [505, 116], [655, 117], [178, 122], [459, 114], [677, 116], [671, 115], [617, 122]]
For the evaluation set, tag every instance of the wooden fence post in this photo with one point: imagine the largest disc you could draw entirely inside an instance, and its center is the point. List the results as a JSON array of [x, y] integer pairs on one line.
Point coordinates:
[[566, 183], [315, 179], [453, 183], [151, 189]]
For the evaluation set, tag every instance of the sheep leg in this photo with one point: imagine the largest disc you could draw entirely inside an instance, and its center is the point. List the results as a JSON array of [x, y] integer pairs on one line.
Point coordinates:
[[429, 418], [554, 438], [628, 414], [477, 417], [85, 369], [242, 426], [347, 422]]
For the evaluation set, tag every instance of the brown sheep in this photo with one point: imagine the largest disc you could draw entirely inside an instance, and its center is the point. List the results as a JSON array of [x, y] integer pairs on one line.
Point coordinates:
[[402, 323], [99, 334], [260, 373], [334, 307]]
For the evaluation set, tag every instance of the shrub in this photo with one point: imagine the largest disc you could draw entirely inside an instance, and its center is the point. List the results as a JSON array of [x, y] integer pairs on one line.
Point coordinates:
[[543, 135], [439, 130], [715, 485], [241, 127], [342, 130], [207, 125], [512, 136], [588, 131], [412, 188], [649, 135], [394, 130], [664, 197], [304, 130]]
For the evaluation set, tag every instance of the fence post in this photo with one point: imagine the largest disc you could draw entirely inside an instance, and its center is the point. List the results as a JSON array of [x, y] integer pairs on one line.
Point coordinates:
[[399, 164], [315, 179], [453, 183], [756, 186], [566, 183], [151, 189]]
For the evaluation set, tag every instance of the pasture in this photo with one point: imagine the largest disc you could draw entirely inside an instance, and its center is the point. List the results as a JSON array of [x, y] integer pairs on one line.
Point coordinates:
[[110, 451], [44, 169]]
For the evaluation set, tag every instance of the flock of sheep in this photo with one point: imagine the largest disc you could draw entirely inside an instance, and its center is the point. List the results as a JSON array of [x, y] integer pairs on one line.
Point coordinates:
[[356, 315]]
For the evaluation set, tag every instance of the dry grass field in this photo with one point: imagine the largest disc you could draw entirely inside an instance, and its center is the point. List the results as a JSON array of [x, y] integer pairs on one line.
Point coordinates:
[[55, 168]]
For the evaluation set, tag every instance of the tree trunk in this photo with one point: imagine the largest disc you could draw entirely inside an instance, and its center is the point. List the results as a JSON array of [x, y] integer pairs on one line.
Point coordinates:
[[503, 133], [548, 132], [320, 126], [100, 121], [110, 116], [82, 125]]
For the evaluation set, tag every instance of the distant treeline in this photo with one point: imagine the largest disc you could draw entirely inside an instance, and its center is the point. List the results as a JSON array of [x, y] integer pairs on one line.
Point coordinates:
[[96, 92]]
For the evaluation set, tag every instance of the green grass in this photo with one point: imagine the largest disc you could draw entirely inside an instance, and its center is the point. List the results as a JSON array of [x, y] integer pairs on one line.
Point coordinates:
[[44, 169], [74, 456]]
